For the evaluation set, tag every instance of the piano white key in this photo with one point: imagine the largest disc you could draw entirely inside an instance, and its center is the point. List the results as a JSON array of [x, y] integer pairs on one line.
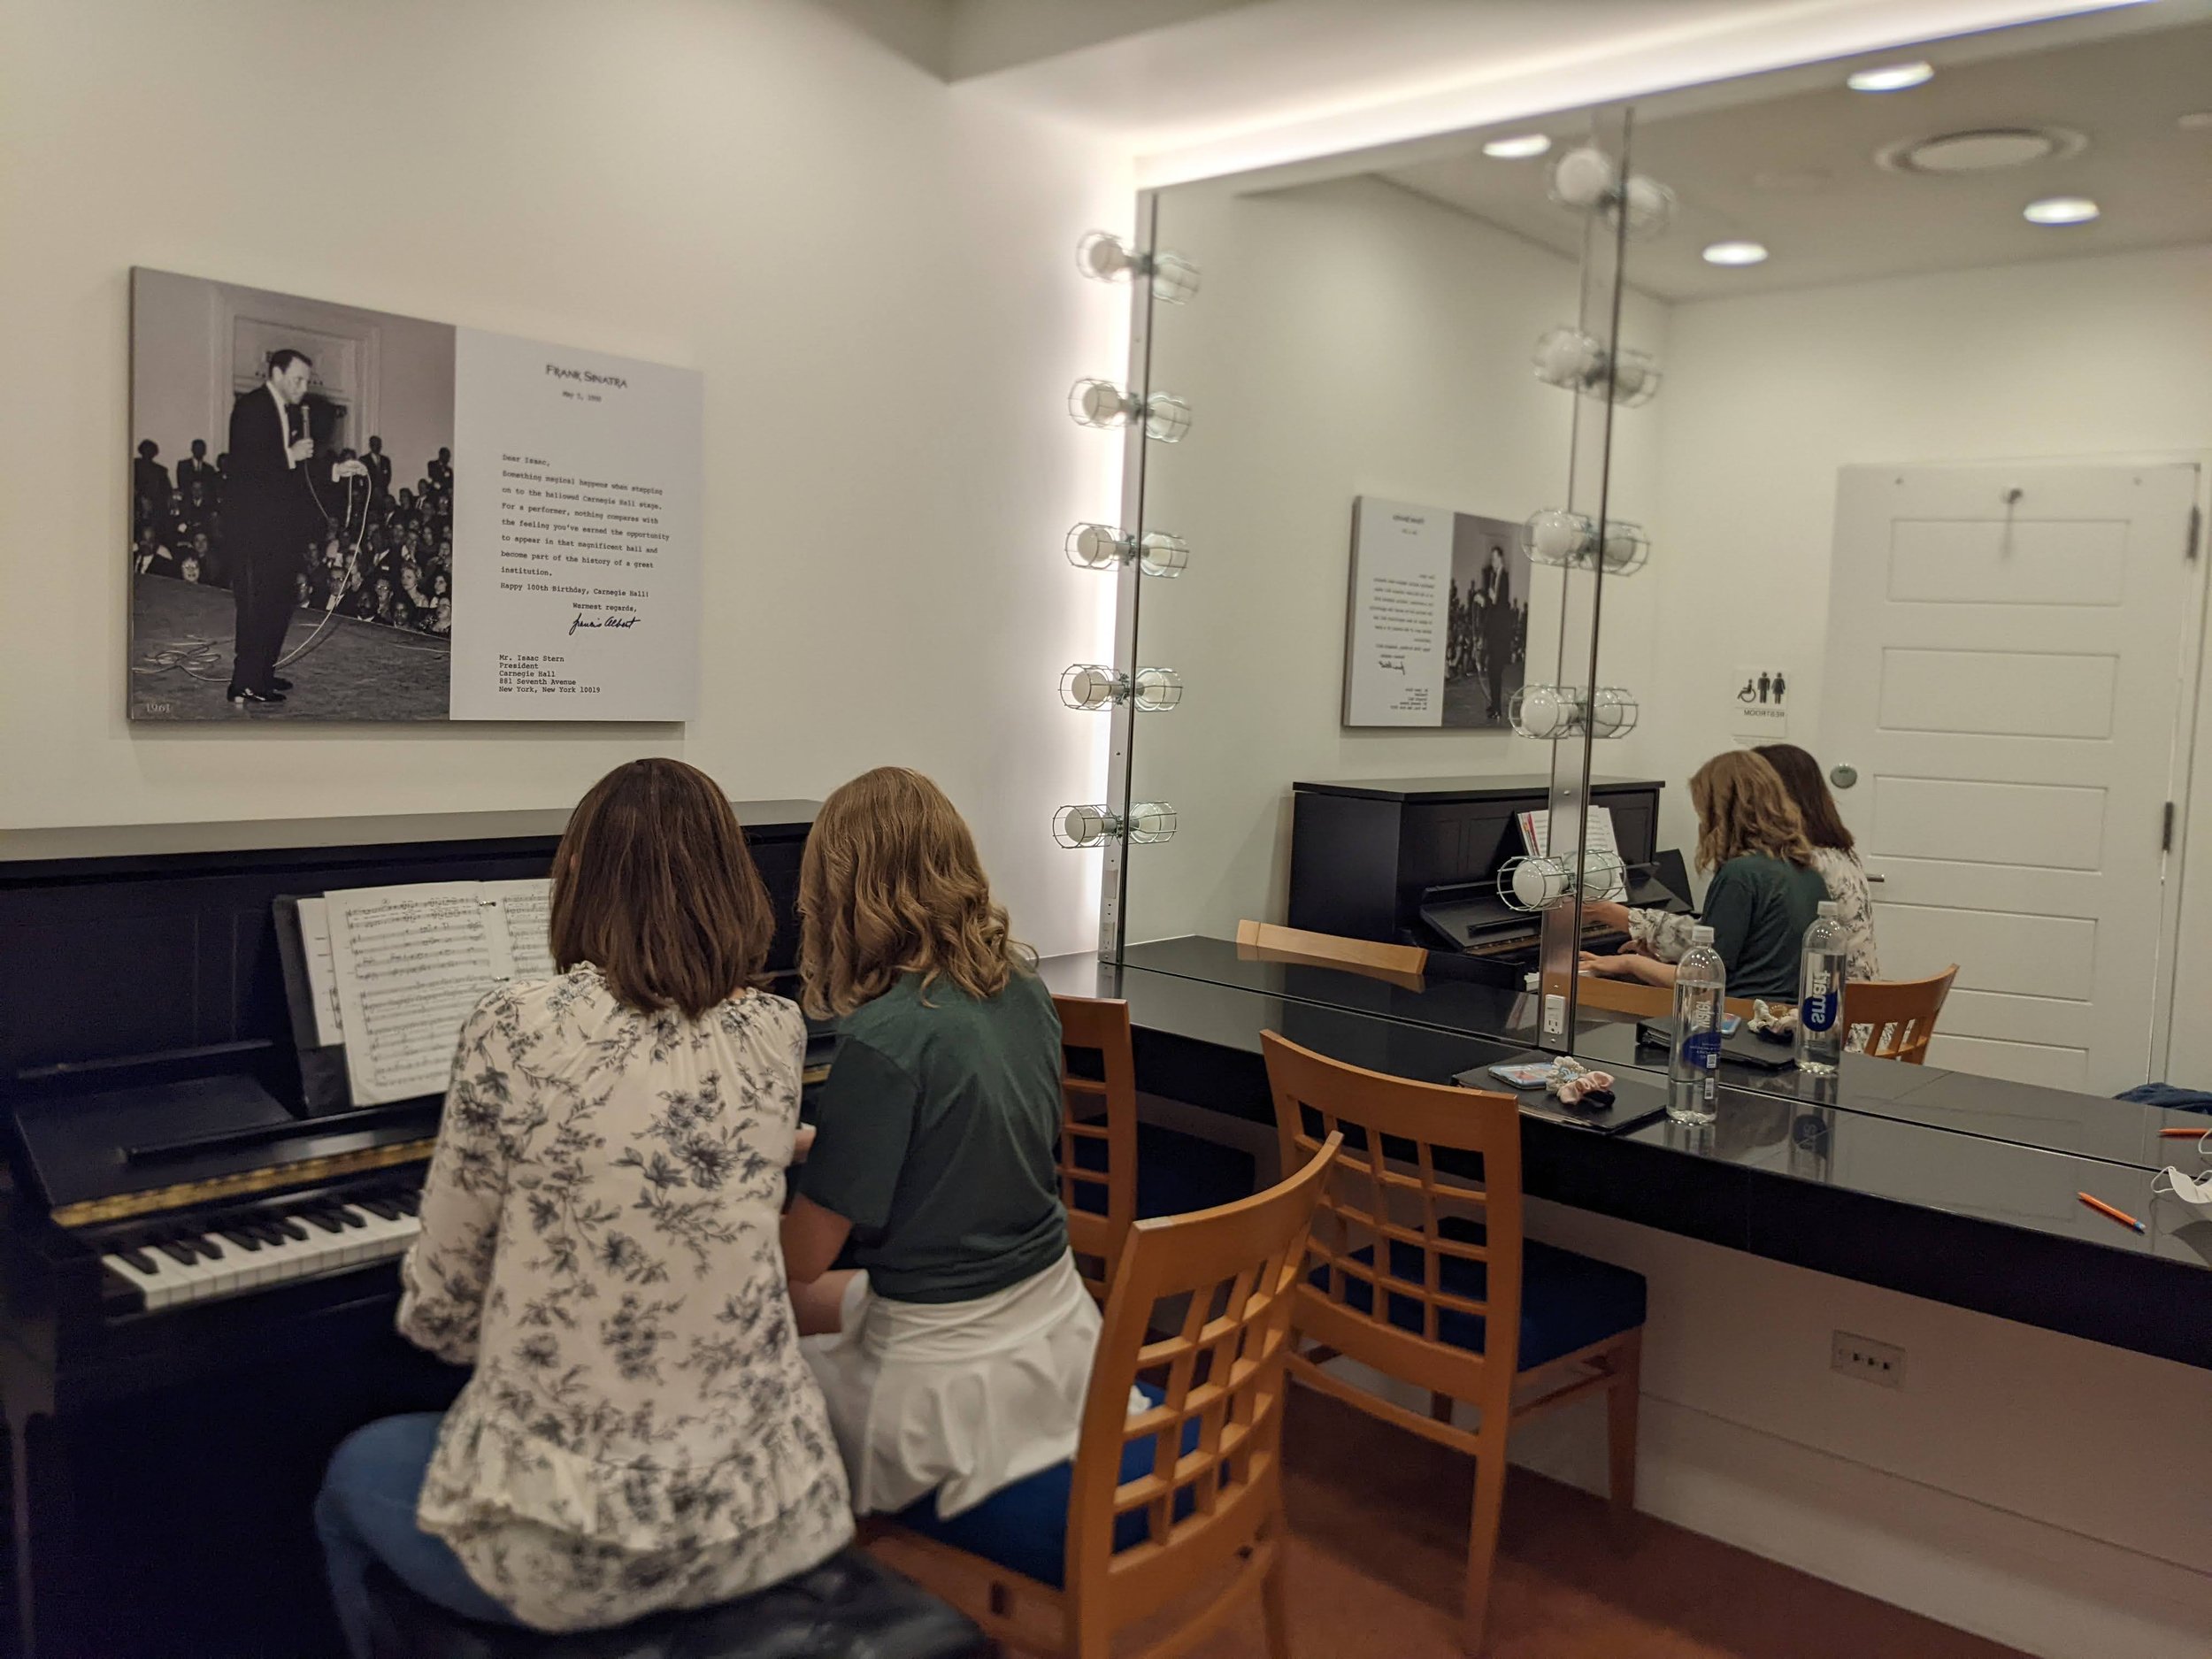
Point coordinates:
[[159, 1286]]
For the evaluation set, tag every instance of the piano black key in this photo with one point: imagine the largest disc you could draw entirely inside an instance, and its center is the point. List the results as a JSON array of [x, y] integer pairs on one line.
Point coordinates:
[[137, 1257], [410, 1202], [210, 1249], [326, 1220], [290, 1228], [378, 1206], [350, 1219], [178, 1251], [241, 1237]]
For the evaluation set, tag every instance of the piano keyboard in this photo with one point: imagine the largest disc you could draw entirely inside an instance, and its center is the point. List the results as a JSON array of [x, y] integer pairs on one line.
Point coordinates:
[[169, 1266]]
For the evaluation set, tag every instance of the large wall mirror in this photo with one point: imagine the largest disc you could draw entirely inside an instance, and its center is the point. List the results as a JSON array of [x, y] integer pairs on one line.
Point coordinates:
[[1531, 468]]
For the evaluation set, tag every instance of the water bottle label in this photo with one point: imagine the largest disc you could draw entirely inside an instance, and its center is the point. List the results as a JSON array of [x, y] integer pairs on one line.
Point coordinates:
[[1819, 1012], [1701, 1050]]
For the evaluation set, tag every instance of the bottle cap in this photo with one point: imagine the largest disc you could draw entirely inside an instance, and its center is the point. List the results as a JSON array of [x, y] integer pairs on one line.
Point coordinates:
[[1700, 935], [1827, 907]]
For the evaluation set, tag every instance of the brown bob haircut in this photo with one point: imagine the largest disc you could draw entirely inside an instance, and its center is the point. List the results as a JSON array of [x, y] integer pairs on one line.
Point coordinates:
[[1800, 775], [654, 887], [1743, 809], [891, 885]]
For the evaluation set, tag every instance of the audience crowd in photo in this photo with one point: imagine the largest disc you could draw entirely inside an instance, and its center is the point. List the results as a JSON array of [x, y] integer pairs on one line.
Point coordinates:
[[399, 571]]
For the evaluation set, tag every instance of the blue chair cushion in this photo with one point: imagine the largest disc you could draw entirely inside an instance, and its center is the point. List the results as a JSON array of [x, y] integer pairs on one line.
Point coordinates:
[[1568, 1301], [1025, 1526], [1176, 1173]]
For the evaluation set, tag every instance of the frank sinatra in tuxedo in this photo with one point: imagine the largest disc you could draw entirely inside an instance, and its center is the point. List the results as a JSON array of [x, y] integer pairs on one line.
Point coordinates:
[[270, 515]]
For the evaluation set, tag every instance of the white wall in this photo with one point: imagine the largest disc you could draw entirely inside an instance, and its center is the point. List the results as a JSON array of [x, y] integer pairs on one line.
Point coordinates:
[[1351, 338], [873, 271]]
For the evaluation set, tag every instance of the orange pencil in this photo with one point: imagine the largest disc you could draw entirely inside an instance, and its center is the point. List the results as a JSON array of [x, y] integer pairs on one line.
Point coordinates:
[[2183, 1134], [2120, 1215]]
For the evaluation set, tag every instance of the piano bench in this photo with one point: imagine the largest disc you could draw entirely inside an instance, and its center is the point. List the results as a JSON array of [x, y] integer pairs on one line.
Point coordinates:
[[851, 1607]]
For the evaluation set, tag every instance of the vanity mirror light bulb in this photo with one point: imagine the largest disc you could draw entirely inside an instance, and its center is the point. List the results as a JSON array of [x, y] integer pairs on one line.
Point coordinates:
[[1603, 875], [1553, 535], [1569, 358], [1545, 712], [1161, 554], [1086, 826], [1150, 822], [1097, 547], [1104, 258], [1155, 690], [1174, 277], [1534, 884], [1650, 205], [1100, 404], [1166, 418], [1585, 178], [1626, 547], [1635, 377], [1613, 711], [1091, 687]]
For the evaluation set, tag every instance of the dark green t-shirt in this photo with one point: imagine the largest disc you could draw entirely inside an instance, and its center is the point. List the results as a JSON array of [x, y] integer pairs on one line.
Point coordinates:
[[1759, 908], [937, 1127]]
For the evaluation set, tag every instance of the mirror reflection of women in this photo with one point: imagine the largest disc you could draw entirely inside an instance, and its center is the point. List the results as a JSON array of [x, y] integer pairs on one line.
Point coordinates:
[[1764, 892]]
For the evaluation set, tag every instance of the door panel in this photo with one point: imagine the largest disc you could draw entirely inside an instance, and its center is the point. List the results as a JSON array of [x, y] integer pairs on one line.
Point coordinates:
[[2004, 673]]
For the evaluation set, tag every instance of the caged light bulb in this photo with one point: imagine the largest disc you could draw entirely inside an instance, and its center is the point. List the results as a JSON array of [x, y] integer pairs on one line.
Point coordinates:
[[1545, 712], [1569, 358], [1086, 826], [1096, 403], [1613, 711], [1161, 554], [1166, 417], [1091, 687], [1104, 258], [1553, 535], [1626, 547], [1155, 690], [1585, 178], [1150, 821]]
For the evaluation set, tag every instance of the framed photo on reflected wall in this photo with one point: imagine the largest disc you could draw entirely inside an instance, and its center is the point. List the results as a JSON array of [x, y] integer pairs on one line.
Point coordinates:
[[1437, 629]]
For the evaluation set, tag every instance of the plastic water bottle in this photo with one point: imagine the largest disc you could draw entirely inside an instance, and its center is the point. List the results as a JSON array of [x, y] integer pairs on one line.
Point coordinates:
[[1701, 989], [1820, 980]]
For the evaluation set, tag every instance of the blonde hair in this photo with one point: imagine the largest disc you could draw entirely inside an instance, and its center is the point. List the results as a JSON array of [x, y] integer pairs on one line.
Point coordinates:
[[1743, 808], [891, 885]]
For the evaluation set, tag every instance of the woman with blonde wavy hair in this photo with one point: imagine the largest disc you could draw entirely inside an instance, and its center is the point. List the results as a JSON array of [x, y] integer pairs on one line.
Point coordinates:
[[954, 1359], [1765, 890]]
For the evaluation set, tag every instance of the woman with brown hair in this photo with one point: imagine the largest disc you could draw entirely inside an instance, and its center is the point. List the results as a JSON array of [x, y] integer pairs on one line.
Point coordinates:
[[1835, 853], [1764, 892], [955, 1360], [599, 1240]]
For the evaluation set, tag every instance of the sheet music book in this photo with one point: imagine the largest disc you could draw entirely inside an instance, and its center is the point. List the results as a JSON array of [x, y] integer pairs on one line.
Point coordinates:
[[392, 973], [1536, 832]]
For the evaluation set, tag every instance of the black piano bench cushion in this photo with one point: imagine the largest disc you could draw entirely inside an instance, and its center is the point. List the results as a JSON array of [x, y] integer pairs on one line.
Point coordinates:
[[851, 1607]]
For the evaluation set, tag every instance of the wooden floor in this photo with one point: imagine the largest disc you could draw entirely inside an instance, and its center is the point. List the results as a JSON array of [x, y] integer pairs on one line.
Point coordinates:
[[1380, 1519]]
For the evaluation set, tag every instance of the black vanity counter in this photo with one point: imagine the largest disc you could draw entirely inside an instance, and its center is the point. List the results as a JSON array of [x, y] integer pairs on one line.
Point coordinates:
[[1958, 1188]]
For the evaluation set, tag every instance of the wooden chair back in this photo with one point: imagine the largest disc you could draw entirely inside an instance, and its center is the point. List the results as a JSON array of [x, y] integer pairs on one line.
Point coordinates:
[[1217, 1503], [1098, 1112], [1401, 964], [1892, 1019], [1634, 996], [1383, 1192]]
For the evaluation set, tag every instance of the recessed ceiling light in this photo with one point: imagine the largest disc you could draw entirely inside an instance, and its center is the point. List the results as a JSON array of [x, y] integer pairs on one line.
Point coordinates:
[[1981, 149], [2059, 209], [2195, 122], [1891, 77], [1735, 253], [1518, 148]]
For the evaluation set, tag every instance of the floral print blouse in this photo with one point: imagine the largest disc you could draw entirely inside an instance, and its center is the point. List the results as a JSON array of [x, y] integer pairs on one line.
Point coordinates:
[[599, 1238], [1668, 933]]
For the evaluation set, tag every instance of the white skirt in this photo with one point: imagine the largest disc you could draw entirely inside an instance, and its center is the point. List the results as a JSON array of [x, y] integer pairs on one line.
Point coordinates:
[[958, 1397]]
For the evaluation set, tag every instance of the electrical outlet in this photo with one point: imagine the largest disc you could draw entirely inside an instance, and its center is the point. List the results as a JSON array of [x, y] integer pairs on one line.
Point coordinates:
[[1555, 1017], [1866, 1359]]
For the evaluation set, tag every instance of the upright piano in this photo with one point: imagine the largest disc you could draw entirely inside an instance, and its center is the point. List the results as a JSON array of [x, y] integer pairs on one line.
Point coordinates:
[[198, 1271], [1369, 857]]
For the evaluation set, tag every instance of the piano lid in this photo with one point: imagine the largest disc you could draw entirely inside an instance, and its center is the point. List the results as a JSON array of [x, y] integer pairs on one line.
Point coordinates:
[[165, 1146]]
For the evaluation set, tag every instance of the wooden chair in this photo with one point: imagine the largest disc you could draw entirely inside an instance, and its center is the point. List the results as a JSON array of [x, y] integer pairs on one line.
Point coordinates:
[[1634, 996], [1431, 1282], [1096, 1160], [1401, 966], [1167, 1504], [1892, 1019]]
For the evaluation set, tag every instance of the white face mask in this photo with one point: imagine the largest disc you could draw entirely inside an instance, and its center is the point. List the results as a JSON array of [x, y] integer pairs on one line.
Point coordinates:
[[2193, 1190]]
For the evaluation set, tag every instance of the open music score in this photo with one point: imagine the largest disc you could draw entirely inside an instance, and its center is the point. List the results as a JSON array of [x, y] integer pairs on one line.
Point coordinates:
[[410, 961]]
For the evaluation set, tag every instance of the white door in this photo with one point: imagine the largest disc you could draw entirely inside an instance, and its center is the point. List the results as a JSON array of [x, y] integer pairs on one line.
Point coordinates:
[[2004, 674]]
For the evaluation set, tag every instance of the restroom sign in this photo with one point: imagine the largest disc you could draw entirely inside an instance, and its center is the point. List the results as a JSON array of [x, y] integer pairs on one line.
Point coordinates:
[[1759, 703]]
